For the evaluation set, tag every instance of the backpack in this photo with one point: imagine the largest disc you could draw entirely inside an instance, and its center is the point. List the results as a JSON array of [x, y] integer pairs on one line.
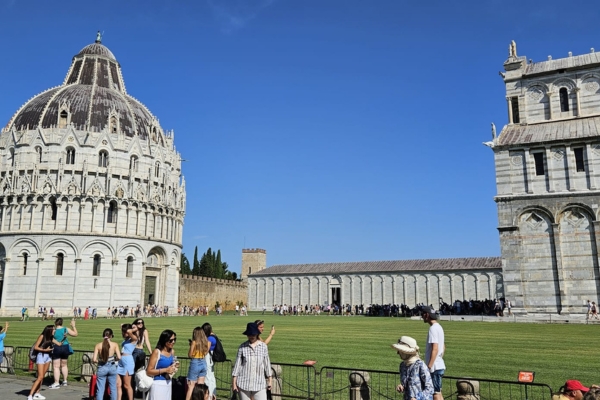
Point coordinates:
[[218, 354], [33, 353]]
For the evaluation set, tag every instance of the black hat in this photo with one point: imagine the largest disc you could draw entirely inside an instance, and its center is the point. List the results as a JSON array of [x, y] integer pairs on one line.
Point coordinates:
[[430, 311], [251, 329]]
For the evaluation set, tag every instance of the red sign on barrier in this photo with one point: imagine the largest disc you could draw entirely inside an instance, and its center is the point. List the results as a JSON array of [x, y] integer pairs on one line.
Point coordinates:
[[526, 376]]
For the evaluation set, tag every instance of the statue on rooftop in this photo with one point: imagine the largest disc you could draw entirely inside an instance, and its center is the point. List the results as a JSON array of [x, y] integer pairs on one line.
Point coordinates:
[[512, 50]]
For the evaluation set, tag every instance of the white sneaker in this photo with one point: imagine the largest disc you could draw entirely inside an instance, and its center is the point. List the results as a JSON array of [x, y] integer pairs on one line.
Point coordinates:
[[54, 386], [38, 396], [64, 383]]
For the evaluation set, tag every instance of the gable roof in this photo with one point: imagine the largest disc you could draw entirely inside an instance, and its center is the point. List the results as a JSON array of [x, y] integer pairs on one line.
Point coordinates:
[[442, 264]]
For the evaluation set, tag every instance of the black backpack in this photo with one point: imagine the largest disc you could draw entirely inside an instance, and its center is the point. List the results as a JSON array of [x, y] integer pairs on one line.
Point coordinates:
[[218, 354]]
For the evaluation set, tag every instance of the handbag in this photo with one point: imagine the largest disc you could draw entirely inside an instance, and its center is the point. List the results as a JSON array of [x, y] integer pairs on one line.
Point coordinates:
[[144, 382]]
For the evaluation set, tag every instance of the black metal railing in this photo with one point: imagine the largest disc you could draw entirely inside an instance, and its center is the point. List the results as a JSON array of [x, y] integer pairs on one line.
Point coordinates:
[[293, 381]]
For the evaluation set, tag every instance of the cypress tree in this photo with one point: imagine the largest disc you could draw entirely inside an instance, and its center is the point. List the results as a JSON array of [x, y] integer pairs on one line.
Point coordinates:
[[196, 269]]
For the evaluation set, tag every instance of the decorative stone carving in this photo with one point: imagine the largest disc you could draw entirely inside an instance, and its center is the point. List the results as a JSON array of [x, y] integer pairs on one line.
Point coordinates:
[[536, 93], [517, 160], [591, 85], [558, 154]]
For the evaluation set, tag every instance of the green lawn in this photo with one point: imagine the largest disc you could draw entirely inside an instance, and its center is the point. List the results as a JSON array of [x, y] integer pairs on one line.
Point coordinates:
[[477, 349]]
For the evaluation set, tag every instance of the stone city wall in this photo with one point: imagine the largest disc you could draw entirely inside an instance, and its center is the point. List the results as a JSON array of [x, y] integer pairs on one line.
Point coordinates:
[[197, 291]]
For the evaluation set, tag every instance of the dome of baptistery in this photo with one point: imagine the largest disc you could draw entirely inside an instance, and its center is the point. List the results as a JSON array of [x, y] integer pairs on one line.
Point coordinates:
[[92, 198]]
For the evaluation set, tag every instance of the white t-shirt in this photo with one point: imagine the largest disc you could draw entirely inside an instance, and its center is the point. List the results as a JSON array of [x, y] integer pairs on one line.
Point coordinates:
[[435, 335]]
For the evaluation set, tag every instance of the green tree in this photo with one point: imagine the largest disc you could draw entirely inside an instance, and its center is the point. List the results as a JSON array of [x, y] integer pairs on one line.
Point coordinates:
[[196, 270], [184, 265]]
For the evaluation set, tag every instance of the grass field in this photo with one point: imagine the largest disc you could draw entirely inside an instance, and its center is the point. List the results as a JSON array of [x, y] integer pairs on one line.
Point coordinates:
[[476, 349]]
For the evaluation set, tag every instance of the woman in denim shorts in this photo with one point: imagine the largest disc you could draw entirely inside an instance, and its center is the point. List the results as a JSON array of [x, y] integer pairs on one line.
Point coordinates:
[[43, 346]]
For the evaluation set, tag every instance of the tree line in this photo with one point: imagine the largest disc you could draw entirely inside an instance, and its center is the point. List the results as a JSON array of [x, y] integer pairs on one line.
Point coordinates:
[[209, 265]]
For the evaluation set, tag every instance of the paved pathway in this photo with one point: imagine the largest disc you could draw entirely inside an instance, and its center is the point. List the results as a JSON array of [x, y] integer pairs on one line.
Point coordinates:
[[17, 388]]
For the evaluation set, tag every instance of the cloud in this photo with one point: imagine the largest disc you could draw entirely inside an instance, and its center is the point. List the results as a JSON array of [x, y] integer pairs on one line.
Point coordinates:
[[233, 15]]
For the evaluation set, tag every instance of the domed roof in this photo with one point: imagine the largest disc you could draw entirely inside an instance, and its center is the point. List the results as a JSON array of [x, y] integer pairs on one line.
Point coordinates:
[[97, 49], [91, 98]]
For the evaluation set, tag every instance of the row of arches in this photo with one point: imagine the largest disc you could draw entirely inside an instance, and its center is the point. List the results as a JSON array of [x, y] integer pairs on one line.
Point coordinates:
[[409, 289], [67, 271], [88, 214], [555, 267]]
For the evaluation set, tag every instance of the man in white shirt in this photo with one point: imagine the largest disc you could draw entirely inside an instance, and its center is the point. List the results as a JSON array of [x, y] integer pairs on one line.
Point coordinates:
[[434, 352]]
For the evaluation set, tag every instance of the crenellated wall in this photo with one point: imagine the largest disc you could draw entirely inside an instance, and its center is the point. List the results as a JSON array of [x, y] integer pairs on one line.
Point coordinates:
[[197, 291]]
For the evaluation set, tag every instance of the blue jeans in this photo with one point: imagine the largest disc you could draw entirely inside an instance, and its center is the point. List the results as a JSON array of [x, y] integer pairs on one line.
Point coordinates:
[[436, 378], [107, 372]]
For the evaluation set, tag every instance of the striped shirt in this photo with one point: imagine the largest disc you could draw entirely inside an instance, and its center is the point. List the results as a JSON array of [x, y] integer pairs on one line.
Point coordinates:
[[252, 366]]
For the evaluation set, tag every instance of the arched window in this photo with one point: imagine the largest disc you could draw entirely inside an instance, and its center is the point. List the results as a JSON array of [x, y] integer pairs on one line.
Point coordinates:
[[157, 169], [38, 150], [54, 209], [96, 267], [129, 271], [63, 119], [564, 99], [111, 216], [70, 155], [113, 124], [133, 163], [25, 257], [12, 157], [60, 258], [103, 158]]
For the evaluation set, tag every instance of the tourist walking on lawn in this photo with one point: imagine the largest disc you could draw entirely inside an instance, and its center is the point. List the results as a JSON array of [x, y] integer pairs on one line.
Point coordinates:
[[434, 350], [61, 352], [139, 356], [162, 366], [415, 380], [199, 348], [125, 369], [261, 327], [252, 369], [2, 336], [106, 353], [43, 347]]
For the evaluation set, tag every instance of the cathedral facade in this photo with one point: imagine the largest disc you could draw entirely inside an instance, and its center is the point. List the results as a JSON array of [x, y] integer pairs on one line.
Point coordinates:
[[547, 162], [92, 198]]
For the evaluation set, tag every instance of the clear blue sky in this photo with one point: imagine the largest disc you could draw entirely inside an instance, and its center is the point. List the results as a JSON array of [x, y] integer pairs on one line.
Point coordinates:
[[321, 131]]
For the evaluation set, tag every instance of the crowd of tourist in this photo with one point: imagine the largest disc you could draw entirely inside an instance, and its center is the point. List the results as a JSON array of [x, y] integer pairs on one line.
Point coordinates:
[[122, 368]]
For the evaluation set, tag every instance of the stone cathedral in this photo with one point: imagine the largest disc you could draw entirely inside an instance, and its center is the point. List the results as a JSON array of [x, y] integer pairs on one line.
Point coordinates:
[[92, 198], [547, 161]]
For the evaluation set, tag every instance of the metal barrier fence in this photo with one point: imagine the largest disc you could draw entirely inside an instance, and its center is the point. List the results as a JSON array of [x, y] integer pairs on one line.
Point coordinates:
[[292, 381], [455, 388]]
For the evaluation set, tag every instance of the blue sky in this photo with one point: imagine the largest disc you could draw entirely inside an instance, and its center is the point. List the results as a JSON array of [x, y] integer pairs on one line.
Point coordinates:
[[321, 131]]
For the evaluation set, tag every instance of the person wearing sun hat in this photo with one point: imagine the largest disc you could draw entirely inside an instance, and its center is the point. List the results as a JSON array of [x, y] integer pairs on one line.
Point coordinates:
[[415, 379], [251, 374]]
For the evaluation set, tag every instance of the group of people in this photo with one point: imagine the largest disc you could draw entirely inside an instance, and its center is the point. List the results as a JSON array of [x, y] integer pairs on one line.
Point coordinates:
[[52, 346], [117, 365]]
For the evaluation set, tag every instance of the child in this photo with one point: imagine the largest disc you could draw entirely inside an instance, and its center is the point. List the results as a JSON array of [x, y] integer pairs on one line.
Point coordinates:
[[199, 346], [2, 336]]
